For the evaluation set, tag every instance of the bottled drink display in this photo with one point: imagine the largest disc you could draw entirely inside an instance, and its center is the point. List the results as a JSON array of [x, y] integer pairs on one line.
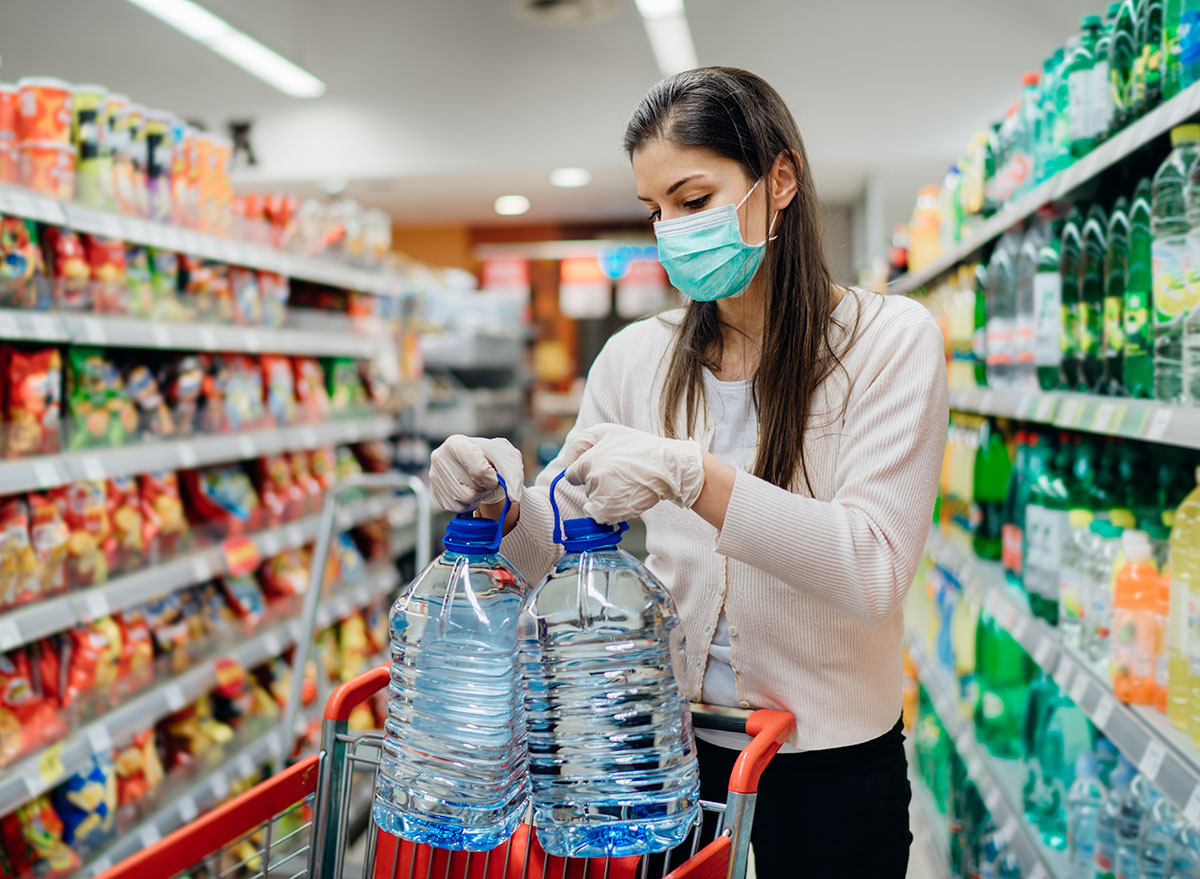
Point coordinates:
[[1138, 354], [453, 765], [1069, 267], [611, 753], [1116, 274]]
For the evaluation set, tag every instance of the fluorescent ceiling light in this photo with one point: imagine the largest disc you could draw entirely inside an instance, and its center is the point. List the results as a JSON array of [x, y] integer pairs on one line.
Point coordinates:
[[511, 205], [570, 178], [670, 38], [193, 20]]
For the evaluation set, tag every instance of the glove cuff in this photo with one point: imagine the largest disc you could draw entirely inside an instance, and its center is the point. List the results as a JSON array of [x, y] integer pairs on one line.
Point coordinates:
[[689, 480]]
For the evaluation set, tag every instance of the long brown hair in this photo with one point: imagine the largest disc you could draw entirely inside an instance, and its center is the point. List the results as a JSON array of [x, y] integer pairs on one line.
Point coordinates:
[[738, 115]]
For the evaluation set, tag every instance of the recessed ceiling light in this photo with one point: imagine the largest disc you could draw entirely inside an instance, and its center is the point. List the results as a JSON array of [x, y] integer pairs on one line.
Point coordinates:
[[670, 38], [659, 8], [193, 20], [511, 205], [569, 178]]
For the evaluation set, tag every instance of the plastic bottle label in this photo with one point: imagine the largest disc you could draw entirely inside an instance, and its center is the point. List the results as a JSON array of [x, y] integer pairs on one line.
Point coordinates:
[[1070, 596], [1100, 109], [1078, 87], [1068, 337], [1086, 328], [1048, 314], [1137, 322], [1012, 541], [1114, 326], [1170, 267]]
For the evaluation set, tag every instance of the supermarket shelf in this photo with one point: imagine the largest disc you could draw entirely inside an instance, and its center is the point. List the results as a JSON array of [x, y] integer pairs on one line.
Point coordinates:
[[20, 202], [1142, 734], [24, 624], [936, 830], [471, 351], [475, 412], [48, 471], [1111, 416], [128, 332], [41, 771], [999, 781], [1181, 108]]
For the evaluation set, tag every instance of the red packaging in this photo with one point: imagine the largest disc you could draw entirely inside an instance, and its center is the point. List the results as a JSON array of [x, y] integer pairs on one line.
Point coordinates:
[[138, 768], [308, 489], [137, 648], [68, 267], [43, 110], [51, 538], [164, 524], [8, 113], [106, 259], [125, 515], [323, 463], [27, 719], [33, 404], [281, 498], [91, 547], [32, 838], [285, 575], [311, 394], [95, 659]]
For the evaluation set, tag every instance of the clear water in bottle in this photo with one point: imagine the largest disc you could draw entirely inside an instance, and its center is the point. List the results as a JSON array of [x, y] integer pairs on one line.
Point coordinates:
[[1107, 819], [453, 767], [611, 754], [1130, 818], [1183, 857], [1083, 808], [1159, 828]]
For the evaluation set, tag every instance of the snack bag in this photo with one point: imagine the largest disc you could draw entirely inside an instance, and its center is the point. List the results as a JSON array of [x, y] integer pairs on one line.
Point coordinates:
[[355, 646], [87, 804], [138, 768], [223, 497], [275, 294], [106, 259], [374, 456], [164, 287], [244, 403], [285, 575], [246, 599], [308, 488], [68, 268], [95, 659], [91, 548], [51, 538], [346, 392], [164, 524], [247, 297], [125, 516], [154, 417], [28, 720], [21, 266], [32, 837], [20, 572], [280, 497], [346, 463], [376, 389], [214, 407], [137, 648], [139, 282], [281, 390], [218, 619], [183, 380], [169, 629], [323, 464], [311, 395], [101, 412], [207, 291], [32, 404]]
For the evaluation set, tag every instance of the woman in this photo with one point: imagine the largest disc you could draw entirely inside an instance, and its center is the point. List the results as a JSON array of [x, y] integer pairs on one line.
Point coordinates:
[[796, 429]]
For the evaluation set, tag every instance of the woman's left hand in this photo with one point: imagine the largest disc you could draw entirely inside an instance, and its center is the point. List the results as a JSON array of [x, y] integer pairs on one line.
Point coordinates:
[[626, 472]]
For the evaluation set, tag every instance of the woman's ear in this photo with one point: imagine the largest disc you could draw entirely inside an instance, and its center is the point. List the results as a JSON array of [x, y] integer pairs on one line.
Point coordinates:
[[784, 181]]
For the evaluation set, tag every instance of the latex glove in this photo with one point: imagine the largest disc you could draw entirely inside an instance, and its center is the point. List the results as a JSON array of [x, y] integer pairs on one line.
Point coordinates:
[[626, 472], [462, 472]]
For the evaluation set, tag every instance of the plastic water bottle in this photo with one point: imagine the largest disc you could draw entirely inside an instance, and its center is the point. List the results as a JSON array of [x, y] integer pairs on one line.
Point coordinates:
[[1083, 804], [1191, 315], [1002, 311], [1134, 809], [453, 769], [1035, 239], [1183, 858], [1159, 828], [1073, 582], [1106, 820], [611, 752], [1169, 225], [1103, 548]]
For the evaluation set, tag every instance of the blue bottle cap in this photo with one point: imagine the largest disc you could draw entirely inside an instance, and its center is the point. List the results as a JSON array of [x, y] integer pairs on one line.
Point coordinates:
[[471, 536], [584, 533]]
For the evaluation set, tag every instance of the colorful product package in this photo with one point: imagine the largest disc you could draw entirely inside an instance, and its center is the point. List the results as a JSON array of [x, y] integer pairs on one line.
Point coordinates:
[[22, 267], [32, 404], [214, 399], [285, 575], [139, 282], [32, 838], [138, 768], [347, 463], [376, 389], [346, 391], [51, 539], [183, 382], [245, 407], [164, 524], [68, 267], [101, 412], [87, 804], [20, 572], [154, 416], [28, 719], [280, 388], [277, 488], [206, 289], [91, 547], [323, 464], [125, 516], [308, 488], [164, 287], [137, 648], [275, 295], [247, 297], [375, 456], [220, 622], [106, 260], [169, 630], [311, 396], [223, 498], [94, 664]]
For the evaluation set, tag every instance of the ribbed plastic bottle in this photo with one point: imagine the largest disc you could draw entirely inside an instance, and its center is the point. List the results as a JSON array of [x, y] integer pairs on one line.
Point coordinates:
[[1135, 807], [1107, 820], [1083, 809], [1159, 828], [1183, 857], [611, 753], [453, 768]]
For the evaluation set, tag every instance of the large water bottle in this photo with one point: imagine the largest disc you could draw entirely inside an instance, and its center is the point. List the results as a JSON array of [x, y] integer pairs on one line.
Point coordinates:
[[1184, 855], [1130, 819], [453, 769], [611, 753], [1106, 821], [1002, 310], [1191, 316], [1083, 807], [1170, 263], [1159, 828]]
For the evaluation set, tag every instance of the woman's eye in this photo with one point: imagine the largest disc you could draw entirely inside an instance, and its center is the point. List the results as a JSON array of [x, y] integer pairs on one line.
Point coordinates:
[[696, 203], [655, 215]]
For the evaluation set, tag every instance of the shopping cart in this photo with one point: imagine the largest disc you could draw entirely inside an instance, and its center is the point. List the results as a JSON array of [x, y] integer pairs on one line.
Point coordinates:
[[297, 824]]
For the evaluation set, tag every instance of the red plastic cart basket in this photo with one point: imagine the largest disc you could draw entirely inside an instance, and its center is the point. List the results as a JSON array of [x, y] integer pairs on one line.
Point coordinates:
[[298, 824]]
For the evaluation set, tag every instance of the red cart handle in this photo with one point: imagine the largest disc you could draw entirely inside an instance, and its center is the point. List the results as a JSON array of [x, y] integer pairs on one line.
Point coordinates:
[[356, 691], [770, 729]]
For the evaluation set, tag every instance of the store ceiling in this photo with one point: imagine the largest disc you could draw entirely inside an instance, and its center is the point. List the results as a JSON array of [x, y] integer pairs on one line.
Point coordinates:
[[435, 107]]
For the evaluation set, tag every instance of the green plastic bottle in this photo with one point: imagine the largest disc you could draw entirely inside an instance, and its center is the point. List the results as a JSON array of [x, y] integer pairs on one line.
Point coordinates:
[[1045, 531], [979, 337], [1172, 48], [1100, 96], [1069, 265], [1080, 87], [1047, 312], [1138, 360], [1116, 271], [1016, 496], [1003, 670], [1042, 693], [1066, 734], [1147, 66], [1090, 322], [990, 479], [1122, 54]]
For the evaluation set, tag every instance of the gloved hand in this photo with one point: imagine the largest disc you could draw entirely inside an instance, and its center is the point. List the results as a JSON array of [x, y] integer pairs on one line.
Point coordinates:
[[626, 471], [462, 472]]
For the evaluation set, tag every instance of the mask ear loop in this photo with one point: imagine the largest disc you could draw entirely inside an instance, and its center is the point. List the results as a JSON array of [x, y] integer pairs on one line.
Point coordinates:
[[771, 227]]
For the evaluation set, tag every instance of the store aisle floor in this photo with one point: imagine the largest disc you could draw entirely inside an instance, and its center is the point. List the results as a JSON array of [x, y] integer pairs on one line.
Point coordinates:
[[922, 861]]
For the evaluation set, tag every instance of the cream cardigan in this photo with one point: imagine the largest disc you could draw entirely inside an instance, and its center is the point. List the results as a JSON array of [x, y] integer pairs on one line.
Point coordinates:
[[812, 585]]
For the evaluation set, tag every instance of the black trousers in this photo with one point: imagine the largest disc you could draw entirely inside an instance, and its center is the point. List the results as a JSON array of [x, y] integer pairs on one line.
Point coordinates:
[[835, 814]]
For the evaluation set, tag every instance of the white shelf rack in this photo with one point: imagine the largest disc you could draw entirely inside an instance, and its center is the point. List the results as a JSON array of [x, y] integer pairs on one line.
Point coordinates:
[[1142, 734], [47, 471], [1178, 110], [999, 781], [16, 201], [472, 351], [128, 332]]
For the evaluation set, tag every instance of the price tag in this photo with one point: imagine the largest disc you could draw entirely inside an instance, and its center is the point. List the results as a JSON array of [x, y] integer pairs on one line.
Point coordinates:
[[187, 455], [1108, 418], [1069, 416], [1104, 710], [93, 332], [10, 635], [47, 474], [1191, 810], [247, 447], [96, 603], [208, 339], [99, 739], [985, 402], [1152, 759], [219, 785], [8, 327], [962, 742], [93, 469], [149, 835], [975, 768], [50, 765], [161, 335], [1045, 409], [187, 809], [44, 327], [1157, 428], [175, 698], [201, 569], [993, 799], [1079, 688], [1042, 652]]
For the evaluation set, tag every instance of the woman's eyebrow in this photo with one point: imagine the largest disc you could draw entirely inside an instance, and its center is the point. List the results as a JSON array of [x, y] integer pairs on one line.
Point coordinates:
[[674, 186]]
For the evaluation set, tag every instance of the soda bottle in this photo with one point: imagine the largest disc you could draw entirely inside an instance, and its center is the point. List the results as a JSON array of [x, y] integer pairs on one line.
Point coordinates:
[[990, 480], [1016, 496], [1147, 66], [1172, 48], [1162, 621], [1104, 546], [1045, 532], [453, 765], [1172, 293], [1190, 316], [1135, 807], [1080, 87], [1138, 355], [1073, 598], [1090, 322], [1122, 54], [1003, 670], [1048, 312], [1066, 736], [1116, 267], [1159, 828], [979, 337], [1027, 266], [1189, 43], [1101, 111], [1135, 599], [1002, 310], [1184, 854], [1069, 266], [611, 752]]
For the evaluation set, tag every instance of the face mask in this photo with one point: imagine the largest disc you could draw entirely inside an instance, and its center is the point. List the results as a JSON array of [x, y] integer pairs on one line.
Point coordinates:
[[704, 254]]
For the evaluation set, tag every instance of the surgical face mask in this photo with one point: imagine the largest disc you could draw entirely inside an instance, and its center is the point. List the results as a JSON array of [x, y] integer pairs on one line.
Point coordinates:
[[704, 254]]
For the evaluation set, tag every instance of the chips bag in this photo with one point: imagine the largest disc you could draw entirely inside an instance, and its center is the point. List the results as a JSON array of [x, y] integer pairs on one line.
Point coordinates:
[[32, 404]]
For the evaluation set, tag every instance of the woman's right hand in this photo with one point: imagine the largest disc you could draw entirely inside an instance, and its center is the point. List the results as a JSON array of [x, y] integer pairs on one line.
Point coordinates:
[[462, 476]]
